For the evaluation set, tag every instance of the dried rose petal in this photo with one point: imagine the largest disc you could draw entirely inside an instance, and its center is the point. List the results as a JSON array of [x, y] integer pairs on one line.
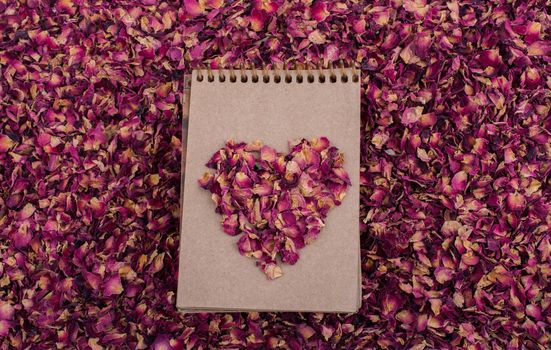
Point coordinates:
[[113, 286], [6, 311], [319, 11], [5, 327], [5, 143], [459, 181]]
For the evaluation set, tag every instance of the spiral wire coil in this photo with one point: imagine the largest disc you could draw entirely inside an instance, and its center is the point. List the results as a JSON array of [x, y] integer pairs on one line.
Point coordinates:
[[301, 74]]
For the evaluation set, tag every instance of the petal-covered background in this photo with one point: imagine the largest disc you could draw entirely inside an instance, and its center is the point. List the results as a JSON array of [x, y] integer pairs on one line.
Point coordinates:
[[456, 153]]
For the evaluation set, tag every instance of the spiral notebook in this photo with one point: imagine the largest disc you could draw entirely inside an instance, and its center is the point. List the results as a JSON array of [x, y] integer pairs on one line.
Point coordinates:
[[274, 107]]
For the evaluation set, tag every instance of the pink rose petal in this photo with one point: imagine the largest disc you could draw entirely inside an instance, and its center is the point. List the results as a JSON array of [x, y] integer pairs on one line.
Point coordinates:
[[5, 143], [6, 311], [516, 201], [112, 286], [411, 115], [5, 327], [459, 181], [194, 8], [539, 48], [319, 11], [443, 275], [257, 19]]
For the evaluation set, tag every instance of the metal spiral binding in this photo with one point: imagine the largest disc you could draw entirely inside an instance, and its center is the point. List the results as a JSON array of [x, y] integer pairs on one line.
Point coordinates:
[[303, 74]]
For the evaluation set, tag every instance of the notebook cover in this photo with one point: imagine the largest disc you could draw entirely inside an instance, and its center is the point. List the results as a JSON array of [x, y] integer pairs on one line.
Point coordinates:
[[213, 276]]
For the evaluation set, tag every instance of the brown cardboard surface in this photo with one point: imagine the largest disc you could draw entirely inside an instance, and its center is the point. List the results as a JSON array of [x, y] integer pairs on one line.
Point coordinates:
[[213, 276]]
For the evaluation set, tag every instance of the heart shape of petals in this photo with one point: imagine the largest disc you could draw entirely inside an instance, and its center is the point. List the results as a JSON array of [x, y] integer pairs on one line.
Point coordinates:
[[276, 202]]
